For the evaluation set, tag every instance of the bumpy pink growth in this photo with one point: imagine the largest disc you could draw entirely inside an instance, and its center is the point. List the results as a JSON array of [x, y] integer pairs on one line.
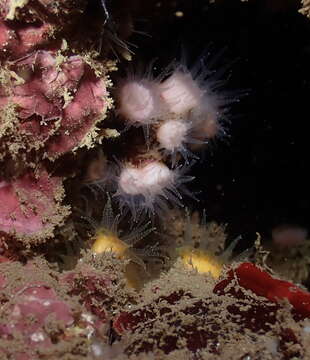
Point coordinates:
[[16, 41], [38, 302], [30, 206], [36, 320], [80, 116], [6, 34], [26, 25], [58, 102]]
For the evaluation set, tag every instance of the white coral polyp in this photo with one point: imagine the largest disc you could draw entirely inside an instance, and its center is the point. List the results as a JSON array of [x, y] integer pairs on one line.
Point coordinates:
[[149, 189], [180, 93], [147, 180], [130, 181], [157, 176], [139, 102], [172, 134]]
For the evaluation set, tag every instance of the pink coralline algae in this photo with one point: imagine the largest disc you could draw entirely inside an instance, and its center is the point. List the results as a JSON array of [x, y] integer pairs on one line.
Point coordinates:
[[30, 206], [27, 25], [53, 104], [39, 302], [52, 99], [20, 41], [41, 321]]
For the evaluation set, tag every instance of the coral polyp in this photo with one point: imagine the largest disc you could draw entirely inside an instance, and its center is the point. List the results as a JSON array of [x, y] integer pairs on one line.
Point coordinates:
[[180, 110], [172, 134], [176, 137], [198, 255], [202, 261], [138, 102], [195, 95], [149, 188], [181, 93], [108, 238]]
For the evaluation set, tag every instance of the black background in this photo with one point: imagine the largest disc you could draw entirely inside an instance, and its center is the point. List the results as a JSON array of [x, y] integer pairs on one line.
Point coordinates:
[[256, 178]]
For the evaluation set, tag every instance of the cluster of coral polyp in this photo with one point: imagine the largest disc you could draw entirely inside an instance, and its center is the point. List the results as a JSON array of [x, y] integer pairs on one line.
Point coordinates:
[[179, 112], [51, 102]]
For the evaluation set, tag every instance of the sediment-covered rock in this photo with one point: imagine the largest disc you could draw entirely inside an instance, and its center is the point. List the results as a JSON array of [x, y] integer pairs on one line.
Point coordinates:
[[31, 206], [38, 319]]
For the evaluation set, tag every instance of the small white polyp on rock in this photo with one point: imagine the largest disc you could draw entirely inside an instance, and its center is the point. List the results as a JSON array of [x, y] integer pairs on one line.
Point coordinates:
[[138, 102], [150, 188], [146, 180], [180, 93], [171, 134]]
